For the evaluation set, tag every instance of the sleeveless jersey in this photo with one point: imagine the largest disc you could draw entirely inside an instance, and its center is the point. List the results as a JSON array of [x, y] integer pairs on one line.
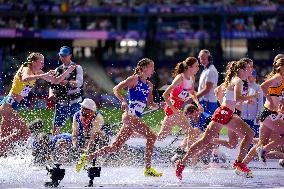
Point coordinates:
[[138, 98], [179, 95], [20, 87]]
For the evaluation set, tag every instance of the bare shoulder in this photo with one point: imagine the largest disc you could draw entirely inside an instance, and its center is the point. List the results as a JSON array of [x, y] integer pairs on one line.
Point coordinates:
[[150, 84]]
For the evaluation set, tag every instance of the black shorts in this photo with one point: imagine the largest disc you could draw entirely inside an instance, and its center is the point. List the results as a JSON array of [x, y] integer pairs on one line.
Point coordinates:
[[265, 112]]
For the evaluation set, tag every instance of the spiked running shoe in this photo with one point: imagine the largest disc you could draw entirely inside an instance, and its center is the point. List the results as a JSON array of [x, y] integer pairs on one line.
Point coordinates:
[[82, 162], [151, 172], [261, 155], [241, 169], [179, 169]]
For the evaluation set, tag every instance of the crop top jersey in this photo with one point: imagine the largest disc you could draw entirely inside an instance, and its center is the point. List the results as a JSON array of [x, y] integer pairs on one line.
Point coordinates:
[[21, 87], [181, 92], [277, 91]]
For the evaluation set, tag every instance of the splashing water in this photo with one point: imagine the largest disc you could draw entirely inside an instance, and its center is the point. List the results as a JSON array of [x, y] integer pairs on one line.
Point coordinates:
[[126, 170]]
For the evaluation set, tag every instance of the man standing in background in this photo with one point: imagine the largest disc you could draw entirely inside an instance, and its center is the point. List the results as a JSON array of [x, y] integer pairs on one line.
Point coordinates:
[[207, 82], [67, 94]]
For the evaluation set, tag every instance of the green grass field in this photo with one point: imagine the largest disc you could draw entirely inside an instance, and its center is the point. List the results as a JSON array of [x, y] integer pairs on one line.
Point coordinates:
[[111, 116]]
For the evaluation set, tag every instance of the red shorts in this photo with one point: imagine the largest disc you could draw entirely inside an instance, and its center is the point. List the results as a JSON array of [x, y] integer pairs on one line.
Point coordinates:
[[177, 104], [222, 115]]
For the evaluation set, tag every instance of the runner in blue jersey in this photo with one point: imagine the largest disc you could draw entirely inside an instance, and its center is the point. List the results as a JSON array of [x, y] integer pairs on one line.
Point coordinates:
[[140, 96], [88, 128], [199, 121]]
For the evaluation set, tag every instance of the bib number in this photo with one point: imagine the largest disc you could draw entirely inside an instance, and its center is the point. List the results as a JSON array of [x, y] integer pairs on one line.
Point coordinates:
[[26, 90], [10, 100], [137, 106], [183, 94]]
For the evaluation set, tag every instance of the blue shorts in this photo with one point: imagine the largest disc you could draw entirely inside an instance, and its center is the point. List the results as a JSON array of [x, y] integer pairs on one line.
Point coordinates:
[[209, 107], [10, 100], [254, 127], [62, 112]]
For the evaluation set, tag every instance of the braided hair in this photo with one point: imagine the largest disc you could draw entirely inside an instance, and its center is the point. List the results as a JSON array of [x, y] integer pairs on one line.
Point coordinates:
[[181, 67], [141, 64], [233, 68]]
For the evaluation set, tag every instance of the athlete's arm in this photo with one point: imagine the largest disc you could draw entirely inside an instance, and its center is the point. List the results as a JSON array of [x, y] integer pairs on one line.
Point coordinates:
[[166, 95], [95, 132], [75, 132], [27, 75], [56, 80], [151, 103], [237, 91], [130, 82]]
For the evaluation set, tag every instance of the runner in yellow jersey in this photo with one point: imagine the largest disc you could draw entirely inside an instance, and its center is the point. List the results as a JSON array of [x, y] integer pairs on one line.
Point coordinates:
[[13, 127]]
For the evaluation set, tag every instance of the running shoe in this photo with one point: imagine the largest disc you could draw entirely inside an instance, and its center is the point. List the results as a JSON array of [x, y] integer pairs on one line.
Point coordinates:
[[242, 169], [179, 169], [82, 162], [281, 162], [261, 155], [151, 172]]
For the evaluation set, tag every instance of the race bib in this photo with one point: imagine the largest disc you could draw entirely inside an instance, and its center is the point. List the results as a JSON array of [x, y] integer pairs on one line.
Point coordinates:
[[273, 117], [136, 106], [183, 94], [10, 100], [26, 90]]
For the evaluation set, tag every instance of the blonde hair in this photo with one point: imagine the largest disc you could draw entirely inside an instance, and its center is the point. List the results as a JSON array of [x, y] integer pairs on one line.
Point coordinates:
[[141, 64], [278, 56], [233, 68], [276, 67], [34, 56]]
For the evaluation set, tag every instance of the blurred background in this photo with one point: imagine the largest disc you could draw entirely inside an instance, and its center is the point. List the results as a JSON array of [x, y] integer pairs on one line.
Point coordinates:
[[108, 37]]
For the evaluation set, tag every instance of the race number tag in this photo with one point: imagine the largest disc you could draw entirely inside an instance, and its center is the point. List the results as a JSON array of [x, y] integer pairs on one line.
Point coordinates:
[[26, 90], [10, 100], [136, 106], [273, 117], [183, 94]]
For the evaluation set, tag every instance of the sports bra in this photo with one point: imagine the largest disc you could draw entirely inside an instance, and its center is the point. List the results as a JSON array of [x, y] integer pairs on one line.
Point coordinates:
[[181, 92], [21, 87], [229, 95], [276, 91]]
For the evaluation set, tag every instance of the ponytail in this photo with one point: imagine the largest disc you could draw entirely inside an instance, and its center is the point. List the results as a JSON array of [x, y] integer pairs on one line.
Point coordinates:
[[181, 67], [229, 72]]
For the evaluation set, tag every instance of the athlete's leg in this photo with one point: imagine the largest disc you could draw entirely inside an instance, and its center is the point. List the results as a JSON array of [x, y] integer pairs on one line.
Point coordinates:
[[231, 143], [242, 129], [166, 128], [210, 133]]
